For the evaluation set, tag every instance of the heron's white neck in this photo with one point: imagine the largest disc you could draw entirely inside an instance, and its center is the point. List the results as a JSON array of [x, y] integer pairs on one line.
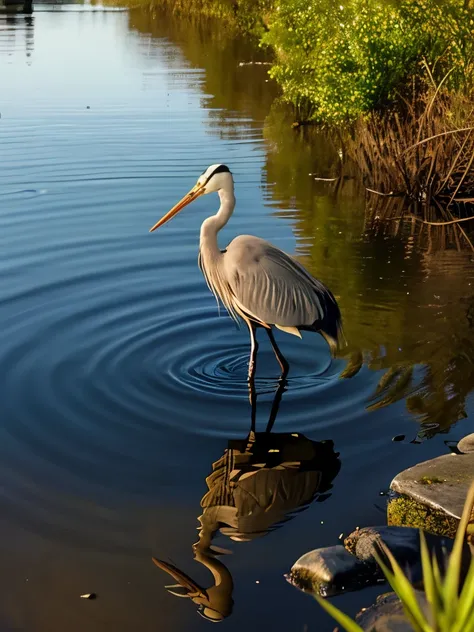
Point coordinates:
[[212, 225]]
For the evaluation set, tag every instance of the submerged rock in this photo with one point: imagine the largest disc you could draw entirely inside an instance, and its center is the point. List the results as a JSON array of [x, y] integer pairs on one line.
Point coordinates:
[[433, 493], [387, 615], [329, 571]]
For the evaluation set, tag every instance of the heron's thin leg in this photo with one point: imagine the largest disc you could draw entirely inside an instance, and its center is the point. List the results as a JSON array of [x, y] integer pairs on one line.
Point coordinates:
[[276, 401], [252, 370], [253, 350], [253, 404], [285, 367]]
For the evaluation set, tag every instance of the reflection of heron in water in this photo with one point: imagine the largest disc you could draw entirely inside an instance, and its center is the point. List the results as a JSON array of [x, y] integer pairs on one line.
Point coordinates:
[[256, 281], [258, 484]]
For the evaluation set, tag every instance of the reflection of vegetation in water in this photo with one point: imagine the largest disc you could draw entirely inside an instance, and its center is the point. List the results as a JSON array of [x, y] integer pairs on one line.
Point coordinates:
[[293, 155], [406, 303], [232, 91], [440, 341], [234, 15], [408, 309]]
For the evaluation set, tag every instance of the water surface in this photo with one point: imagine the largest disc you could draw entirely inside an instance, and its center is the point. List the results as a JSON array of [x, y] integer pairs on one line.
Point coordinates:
[[122, 384]]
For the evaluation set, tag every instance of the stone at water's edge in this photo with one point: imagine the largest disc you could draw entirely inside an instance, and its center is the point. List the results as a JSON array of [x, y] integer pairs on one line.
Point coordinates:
[[403, 543], [329, 571], [334, 570], [432, 498], [466, 444], [433, 492], [405, 546]]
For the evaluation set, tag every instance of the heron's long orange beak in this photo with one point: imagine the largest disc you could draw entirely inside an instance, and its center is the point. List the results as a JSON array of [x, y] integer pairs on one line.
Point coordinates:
[[195, 192]]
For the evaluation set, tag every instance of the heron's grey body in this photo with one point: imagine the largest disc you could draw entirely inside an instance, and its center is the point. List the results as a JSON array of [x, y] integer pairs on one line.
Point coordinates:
[[269, 287], [256, 281]]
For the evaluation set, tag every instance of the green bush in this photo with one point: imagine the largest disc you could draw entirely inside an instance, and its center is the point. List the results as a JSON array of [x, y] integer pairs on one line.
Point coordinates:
[[336, 60]]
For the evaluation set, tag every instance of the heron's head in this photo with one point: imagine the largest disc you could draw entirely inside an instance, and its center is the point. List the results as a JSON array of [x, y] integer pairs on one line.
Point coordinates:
[[214, 178]]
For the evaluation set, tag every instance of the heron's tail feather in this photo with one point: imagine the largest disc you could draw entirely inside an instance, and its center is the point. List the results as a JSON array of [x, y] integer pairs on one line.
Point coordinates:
[[330, 326]]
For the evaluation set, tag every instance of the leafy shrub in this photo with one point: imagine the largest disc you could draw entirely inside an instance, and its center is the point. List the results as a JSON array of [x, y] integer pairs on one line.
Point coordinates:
[[341, 59]]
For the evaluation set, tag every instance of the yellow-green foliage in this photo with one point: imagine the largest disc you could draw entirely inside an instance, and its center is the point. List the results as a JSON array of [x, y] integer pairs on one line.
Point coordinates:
[[346, 57]]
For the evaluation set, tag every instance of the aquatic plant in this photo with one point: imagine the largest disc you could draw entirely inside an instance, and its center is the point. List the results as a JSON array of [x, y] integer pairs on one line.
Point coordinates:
[[423, 150], [451, 607]]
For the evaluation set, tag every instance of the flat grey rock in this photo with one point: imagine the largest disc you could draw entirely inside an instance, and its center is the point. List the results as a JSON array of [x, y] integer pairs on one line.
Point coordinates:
[[440, 483], [466, 444], [387, 615], [329, 571]]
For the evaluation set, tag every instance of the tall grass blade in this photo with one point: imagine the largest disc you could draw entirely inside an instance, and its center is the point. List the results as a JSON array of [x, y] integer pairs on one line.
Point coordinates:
[[431, 589], [400, 584], [451, 585], [466, 604], [347, 623]]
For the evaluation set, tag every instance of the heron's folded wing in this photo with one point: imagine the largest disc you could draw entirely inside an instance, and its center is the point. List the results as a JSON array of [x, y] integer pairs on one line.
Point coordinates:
[[272, 286]]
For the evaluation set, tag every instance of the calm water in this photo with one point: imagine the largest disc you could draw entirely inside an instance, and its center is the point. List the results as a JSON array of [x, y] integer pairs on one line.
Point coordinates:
[[121, 383]]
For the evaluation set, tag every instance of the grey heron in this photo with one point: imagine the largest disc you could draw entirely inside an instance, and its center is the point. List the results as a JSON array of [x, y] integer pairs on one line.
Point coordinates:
[[256, 281]]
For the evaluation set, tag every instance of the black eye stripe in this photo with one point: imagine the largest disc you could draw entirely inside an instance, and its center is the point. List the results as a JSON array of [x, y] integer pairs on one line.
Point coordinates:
[[219, 169]]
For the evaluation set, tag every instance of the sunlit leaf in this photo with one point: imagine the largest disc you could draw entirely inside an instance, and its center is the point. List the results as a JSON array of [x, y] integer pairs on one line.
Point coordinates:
[[465, 612], [347, 623], [454, 567], [431, 588], [405, 591]]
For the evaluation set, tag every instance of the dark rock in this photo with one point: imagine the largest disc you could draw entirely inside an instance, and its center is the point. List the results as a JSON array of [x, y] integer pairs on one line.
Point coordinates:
[[387, 614], [398, 438], [329, 571], [333, 570], [466, 444], [403, 543]]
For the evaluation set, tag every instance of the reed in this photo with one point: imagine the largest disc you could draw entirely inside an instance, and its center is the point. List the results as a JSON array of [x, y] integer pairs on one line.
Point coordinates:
[[422, 153]]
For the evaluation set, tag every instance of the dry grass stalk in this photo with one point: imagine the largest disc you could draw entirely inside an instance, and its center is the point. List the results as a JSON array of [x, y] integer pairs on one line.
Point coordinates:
[[423, 154]]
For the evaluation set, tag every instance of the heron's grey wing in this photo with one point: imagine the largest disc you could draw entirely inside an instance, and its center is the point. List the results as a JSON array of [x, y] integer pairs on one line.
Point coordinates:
[[275, 288]]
